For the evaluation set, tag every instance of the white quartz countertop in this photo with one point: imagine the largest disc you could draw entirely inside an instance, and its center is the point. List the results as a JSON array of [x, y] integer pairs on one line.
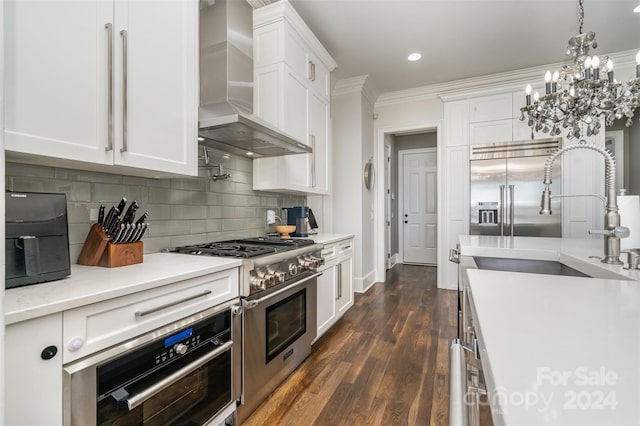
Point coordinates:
[[329, 238], [558, 350], [584, 254], [90, 284]]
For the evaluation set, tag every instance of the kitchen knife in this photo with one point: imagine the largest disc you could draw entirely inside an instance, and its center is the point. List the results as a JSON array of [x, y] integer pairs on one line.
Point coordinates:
[[144, 229], [121, 204], [126, 234], [118, 235], [101, 214], [107, 219], [131, 212], [142, 218], [136, 232], [114, 223]]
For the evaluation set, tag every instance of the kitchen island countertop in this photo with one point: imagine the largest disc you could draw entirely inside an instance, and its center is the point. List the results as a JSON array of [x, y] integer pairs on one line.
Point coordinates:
[[91, 284], [556, 350]]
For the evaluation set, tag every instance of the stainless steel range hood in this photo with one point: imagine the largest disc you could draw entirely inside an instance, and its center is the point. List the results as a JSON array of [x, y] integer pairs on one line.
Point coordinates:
[[226, 114]]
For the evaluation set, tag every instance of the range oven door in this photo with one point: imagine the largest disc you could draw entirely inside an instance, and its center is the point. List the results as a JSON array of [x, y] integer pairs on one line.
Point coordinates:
[[278, 330], [186, 373]]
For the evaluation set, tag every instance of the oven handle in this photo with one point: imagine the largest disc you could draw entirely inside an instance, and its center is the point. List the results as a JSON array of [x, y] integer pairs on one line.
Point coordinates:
[[249, 304], [137, 399]]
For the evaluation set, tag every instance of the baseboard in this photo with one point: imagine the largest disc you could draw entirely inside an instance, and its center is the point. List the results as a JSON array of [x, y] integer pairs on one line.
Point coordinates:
[[362, 284], [395, 259]]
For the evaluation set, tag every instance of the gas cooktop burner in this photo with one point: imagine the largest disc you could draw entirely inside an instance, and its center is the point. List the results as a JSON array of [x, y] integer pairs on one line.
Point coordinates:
[[250, 247]]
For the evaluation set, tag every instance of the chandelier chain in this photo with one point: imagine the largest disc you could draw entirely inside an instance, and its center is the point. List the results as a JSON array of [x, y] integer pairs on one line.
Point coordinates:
[[580, 15]]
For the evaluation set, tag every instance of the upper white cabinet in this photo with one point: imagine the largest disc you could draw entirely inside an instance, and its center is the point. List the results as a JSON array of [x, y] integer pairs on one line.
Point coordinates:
[[292, 72], [103, 83], [489, 108], [490, 131]]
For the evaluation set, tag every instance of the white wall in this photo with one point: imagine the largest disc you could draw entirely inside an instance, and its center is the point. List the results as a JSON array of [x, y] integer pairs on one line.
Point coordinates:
[[368, 196]]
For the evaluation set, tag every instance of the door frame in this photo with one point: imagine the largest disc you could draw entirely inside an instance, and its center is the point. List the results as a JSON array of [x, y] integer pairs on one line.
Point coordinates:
[[387, 205], [401, 155], [417, 127]]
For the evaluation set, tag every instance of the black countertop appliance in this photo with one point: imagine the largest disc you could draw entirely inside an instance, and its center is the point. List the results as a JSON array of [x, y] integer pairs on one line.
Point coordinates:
[[36, 238]]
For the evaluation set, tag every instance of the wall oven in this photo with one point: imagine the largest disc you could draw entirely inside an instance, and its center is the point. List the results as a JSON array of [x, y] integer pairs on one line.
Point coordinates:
[[185, 373]]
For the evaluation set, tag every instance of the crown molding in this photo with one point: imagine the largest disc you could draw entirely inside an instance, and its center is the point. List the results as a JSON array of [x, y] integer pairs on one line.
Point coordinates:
[[361, 84], [488, 84]]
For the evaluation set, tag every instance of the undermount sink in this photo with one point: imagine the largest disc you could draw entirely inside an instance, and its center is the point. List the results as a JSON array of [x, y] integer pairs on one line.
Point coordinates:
[[548, 267]]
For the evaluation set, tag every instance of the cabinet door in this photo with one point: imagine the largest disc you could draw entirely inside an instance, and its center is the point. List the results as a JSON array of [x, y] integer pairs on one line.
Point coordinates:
[[156, 124], [319, 135], [489, 108], [326, 312], [33, 385], [318, 76], [345, 286], [56, 79], [296, 111], [490, 132]]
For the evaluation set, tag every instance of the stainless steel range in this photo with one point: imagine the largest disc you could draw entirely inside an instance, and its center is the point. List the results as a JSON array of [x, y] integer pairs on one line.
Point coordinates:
[[278, 287]]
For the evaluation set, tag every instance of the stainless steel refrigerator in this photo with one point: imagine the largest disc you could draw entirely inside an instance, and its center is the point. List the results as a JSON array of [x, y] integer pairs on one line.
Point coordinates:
[[506, 186]]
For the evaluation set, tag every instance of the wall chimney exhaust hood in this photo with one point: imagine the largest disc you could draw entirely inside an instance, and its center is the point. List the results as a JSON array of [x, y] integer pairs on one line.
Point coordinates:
[[226, 114]]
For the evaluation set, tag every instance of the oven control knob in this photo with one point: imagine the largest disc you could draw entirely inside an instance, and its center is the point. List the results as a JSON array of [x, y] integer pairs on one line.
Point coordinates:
[[280, 276], [257, 283], [294, 269], [269, 279], [180, 348]]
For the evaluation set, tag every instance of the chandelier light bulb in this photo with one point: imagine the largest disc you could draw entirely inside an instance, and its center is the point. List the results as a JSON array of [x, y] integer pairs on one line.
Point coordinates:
[[595, 62], [536, 96], [572, 91], [547, 77], [587, 62], [527, 89], [556, 76], [638, 58], [610, 65]]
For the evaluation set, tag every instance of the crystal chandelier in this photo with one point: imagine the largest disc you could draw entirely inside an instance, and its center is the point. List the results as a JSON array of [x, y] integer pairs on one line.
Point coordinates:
[[580, 95]]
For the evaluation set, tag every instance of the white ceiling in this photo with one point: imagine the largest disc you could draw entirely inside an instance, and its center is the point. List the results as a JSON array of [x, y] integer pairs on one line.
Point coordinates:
[[459, 38]]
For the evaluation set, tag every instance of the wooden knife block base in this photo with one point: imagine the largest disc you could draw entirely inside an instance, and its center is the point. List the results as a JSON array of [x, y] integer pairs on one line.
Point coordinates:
[[98, 251]]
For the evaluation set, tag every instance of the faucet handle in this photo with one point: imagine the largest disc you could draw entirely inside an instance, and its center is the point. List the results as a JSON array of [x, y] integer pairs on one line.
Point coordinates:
[[617, 232]]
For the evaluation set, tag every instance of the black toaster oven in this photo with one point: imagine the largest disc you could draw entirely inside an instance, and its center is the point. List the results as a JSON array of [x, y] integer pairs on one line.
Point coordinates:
[[36, 238]]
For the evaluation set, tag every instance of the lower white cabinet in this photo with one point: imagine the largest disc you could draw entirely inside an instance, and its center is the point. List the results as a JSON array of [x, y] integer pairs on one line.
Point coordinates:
[[335, 285], [33, 372]]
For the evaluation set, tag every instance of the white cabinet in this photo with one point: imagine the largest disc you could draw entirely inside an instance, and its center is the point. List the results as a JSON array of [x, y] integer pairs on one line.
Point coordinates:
[[292, 72], [490, 108], [456, 118], [335, 285], [490, 131], [102, 83], [344, 296], [33, 377]]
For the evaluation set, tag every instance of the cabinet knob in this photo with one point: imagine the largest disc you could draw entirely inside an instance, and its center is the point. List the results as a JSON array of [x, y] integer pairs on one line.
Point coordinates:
[[406, 215], [406, 221], [48, 352]]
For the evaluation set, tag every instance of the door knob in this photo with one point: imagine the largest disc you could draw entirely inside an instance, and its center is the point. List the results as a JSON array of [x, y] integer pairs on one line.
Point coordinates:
[[406, 215], [406, 221]]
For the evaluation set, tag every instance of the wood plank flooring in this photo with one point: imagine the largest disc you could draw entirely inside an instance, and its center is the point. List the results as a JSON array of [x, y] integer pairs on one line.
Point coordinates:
[[386, 362]]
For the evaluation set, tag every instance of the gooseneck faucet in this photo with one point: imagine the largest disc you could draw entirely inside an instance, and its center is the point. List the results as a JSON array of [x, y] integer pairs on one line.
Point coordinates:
[[613, 231]]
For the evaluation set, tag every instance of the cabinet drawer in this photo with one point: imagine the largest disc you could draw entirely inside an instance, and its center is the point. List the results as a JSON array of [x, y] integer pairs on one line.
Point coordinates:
[[488, 108], [345, 248], [100, 325], [329, 253], [490, 132]]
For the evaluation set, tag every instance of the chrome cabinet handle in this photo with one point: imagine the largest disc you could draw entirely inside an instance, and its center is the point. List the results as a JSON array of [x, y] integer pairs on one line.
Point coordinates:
[[123, 33], [511, 208], [313, 161], [109, 27], [168, 305], [502, 211], [140, 397], [312, 71]]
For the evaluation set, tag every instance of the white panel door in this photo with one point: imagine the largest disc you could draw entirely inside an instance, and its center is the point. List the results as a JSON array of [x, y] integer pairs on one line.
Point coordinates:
[[160, 102], [420, 217], [56, 74]]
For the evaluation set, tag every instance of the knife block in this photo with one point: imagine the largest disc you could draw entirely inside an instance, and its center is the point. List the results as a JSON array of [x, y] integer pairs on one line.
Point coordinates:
[[98, 251]]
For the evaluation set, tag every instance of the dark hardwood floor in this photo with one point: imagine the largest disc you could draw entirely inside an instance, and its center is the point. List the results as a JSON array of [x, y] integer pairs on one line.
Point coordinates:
[[386, 362]]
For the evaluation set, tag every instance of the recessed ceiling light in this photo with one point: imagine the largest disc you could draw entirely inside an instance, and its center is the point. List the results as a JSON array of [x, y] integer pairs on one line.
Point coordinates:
[[226, 156], [637, 9], [414, 57]]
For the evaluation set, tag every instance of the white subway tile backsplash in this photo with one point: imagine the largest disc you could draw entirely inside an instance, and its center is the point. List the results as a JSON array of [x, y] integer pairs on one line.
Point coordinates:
[[111, 194]]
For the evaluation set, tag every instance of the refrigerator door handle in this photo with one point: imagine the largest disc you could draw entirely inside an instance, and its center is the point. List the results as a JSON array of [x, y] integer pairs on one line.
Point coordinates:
[[502, 211], [511, 208]]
